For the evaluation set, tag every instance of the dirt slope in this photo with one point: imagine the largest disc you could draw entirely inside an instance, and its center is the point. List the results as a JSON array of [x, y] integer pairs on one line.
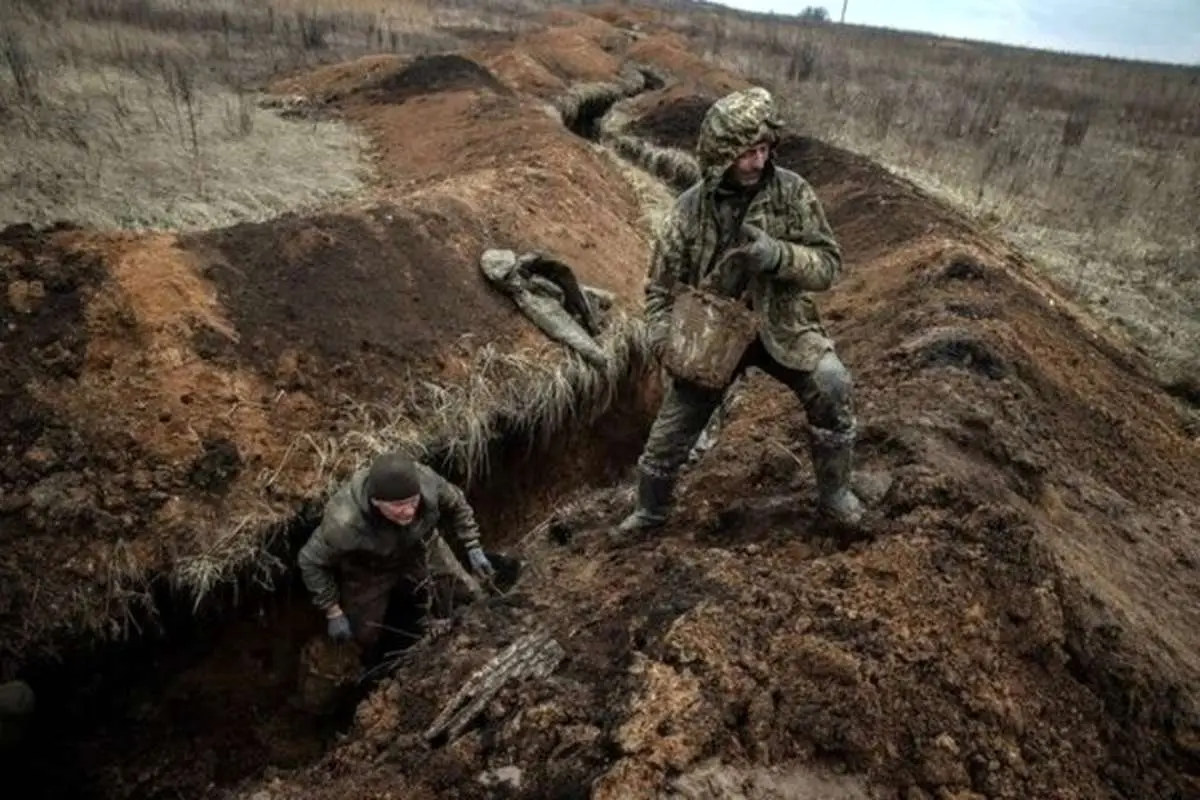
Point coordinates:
[[168, 399], [1024, 623]]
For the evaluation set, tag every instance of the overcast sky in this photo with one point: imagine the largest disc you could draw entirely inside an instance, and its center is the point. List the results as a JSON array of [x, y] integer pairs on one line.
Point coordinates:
[[1153, 30]]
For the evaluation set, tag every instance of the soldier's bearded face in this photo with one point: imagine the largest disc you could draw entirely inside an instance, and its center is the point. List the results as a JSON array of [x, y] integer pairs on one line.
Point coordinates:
[[748, 168], [401, 512]]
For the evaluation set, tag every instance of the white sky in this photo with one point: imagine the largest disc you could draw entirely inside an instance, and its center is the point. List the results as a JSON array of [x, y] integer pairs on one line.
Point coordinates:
[[1151, 30]]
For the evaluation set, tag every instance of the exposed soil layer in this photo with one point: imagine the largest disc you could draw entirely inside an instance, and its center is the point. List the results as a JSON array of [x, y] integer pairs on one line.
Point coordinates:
[[1022, 621], [218, 697], [671, 122], [168, 399], [436, 73]]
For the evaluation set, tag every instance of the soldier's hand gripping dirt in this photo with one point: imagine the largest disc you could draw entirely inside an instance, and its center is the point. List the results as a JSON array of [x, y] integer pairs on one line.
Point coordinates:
[[380, 526], [754, 231]]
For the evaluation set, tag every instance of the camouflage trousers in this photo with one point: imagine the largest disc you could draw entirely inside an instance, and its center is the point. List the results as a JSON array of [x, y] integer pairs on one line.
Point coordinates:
[[366, 586], [827, 394]]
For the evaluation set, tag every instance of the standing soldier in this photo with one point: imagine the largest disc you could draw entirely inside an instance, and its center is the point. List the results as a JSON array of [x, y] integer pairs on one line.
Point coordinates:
[[763, 227], [381, 525]]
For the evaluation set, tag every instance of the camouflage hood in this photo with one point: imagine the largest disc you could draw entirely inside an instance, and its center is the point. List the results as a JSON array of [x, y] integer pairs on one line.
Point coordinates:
[[733, 125]]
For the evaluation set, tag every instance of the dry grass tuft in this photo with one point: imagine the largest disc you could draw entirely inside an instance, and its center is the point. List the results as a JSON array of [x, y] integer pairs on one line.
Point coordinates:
[[653, 195], [532, 396]]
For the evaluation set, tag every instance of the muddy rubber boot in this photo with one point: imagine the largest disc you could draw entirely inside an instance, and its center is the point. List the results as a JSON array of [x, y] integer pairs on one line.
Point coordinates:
[[653, 504], [833, 457]]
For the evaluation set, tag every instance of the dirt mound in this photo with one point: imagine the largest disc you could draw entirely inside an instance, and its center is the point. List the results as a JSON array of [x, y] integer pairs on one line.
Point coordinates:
[[336, 79], [170, 399], [431, 74], [1023, 622], [178, 406], [546, 62], [400, 301], [673, 53], [671, 120]]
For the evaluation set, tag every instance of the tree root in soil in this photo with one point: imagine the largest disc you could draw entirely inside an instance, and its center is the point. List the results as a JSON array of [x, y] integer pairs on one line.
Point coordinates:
[[534, 655]]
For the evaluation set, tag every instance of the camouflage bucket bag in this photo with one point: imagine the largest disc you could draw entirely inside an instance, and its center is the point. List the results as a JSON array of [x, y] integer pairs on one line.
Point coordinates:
[[707, 337]]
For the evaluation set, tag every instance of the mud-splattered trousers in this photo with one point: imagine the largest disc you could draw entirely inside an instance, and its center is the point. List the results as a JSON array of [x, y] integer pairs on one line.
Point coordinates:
[[826, 394]]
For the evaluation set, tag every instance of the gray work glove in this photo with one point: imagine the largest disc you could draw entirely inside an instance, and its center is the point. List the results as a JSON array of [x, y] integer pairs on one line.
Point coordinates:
[[760, 254], [339, 628], [479, 562]]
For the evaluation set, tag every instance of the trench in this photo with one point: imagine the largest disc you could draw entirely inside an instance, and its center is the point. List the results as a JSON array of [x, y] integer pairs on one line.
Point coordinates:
[[207, 698], [211, 700]]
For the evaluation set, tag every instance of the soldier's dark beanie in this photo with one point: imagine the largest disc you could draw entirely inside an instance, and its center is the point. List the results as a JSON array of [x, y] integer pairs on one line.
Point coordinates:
[[393, 476]]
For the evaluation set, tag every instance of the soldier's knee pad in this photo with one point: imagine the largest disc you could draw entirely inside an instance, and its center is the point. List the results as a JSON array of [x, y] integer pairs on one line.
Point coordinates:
[[832, 380]]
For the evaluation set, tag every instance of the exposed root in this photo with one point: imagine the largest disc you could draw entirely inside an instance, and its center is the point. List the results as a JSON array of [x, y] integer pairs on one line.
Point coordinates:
[[534, 655]]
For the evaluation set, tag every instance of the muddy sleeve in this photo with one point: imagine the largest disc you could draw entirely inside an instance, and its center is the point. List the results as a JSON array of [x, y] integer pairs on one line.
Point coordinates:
[[317, 560], [811, 258], [666, 261], [457, 512]]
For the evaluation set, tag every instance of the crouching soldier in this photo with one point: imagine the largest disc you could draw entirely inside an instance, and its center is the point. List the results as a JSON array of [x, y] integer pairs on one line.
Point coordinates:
[[759, 229], [383, 525]]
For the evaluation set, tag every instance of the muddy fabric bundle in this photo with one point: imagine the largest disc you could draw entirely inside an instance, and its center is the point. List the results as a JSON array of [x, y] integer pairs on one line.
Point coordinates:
[[548, 293]]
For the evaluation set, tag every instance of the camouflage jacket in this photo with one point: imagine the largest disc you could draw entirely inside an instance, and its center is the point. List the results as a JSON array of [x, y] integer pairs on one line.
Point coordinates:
[[698, 230], [351, 528]]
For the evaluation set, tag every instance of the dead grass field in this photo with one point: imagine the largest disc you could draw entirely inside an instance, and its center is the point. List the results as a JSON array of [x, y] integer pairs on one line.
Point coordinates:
[[146, 113], [1092, 166]]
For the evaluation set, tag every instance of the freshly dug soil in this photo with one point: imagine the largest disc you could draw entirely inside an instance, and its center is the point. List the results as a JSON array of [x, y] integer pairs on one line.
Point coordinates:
[[1022, 621], [61, 502], [347, 299], [430, 75], [221, 698], [164, 393], [672, 123]]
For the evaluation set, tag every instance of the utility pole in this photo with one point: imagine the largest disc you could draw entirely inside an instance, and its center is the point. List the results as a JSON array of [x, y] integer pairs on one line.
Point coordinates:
[[844, 4]]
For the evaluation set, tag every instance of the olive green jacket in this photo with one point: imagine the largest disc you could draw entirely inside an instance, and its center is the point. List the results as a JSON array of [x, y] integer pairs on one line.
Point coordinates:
[[352, 528]]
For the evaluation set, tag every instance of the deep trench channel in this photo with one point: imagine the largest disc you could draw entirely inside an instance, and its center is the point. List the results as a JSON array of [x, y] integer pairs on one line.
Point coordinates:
[[207, 698]]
